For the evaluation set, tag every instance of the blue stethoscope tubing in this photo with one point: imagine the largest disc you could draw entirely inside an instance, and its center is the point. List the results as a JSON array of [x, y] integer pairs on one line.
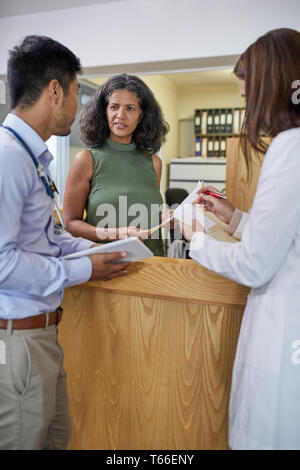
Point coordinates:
[[50, 188]]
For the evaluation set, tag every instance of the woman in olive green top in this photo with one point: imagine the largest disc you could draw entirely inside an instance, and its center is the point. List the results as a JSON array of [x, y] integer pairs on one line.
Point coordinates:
[[117, 178]]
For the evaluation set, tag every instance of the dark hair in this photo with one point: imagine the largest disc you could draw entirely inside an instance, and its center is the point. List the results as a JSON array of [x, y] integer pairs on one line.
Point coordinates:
[[149, 133], [269, 67], [33, 64]]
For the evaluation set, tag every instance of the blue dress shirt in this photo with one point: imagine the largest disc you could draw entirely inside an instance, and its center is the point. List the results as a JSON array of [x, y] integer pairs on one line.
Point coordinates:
[[32, 273]]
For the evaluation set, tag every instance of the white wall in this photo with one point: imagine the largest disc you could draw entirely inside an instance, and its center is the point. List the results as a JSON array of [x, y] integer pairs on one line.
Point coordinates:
[[136, 31]]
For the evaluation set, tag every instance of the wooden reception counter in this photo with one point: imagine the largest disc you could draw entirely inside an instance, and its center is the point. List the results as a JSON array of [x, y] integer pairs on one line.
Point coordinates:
[[149, 357]]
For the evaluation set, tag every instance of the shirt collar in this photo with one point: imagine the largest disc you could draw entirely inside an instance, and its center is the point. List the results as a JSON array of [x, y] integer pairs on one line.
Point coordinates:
[[29, 135]]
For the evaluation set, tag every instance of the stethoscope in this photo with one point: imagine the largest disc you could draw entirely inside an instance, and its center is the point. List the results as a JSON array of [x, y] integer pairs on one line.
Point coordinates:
[[49, 184]]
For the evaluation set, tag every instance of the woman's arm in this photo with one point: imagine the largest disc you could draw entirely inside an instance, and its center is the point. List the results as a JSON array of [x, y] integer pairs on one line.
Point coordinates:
[[237, 223], [272, 223], [76, 194], [157, 164]]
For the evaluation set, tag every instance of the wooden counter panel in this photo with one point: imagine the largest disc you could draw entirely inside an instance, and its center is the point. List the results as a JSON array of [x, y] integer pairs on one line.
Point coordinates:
[[145, 373], [175, 279]]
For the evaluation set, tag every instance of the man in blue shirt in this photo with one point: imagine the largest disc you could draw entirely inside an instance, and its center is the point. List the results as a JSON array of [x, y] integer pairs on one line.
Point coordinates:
[[42, 78]]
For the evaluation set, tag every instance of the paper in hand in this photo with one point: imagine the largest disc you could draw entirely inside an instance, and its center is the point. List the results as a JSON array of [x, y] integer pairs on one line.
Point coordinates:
[[136, 250], [187, 211]]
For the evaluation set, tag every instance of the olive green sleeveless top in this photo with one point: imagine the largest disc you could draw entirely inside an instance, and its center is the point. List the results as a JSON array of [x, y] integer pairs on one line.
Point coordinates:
[[124, 191]]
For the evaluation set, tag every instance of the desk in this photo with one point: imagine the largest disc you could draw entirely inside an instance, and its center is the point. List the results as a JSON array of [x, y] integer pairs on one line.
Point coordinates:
[[149, 357]]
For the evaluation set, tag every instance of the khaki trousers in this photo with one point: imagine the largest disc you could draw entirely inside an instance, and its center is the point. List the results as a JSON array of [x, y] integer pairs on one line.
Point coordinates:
[[33, 398]]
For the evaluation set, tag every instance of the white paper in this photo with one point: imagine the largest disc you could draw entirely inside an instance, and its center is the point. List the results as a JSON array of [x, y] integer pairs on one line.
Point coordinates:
[[187, 211], [136, 250]]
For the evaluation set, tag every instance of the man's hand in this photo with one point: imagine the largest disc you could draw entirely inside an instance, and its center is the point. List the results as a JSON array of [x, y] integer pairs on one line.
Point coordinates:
[[103, 269]]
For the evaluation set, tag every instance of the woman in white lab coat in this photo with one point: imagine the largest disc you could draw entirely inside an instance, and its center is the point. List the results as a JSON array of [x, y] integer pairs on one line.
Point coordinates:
[[265, 393]]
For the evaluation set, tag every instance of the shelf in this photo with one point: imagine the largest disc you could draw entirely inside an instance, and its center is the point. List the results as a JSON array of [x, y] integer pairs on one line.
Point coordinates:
[[213, 127], [217, 135], [197, 160]]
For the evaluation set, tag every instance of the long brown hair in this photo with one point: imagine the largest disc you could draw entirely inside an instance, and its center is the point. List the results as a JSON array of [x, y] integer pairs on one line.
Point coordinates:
[[269, 67]]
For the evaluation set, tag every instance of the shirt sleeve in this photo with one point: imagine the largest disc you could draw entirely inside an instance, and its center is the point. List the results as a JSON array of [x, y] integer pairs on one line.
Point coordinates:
[[237, 223], [24, 272], [69, 244], [271, 225]]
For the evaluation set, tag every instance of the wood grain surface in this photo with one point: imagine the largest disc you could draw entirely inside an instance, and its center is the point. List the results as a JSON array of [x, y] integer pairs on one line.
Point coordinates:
[[175, 279], [151, 371], [239, 190]]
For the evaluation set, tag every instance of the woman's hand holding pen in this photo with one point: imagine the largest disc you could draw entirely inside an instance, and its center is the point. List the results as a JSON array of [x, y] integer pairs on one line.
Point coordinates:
[[221, 208]]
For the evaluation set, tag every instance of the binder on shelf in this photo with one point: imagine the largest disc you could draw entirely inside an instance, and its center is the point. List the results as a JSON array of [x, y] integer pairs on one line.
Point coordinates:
[[222, 121], [228, 121], [223, 147], [198, 147], [216, 146], [236, 121], [197, 121], [204, 122], [210, 121], [204, 147], [213, 121], [210, 147], [216, 121], [211, 128]]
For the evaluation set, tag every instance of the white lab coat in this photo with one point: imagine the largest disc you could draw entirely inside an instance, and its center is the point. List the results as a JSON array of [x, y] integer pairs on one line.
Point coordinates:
[[265, 393]]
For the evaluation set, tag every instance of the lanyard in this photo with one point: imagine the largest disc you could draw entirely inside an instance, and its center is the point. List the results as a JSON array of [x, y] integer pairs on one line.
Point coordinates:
[[47, 182]]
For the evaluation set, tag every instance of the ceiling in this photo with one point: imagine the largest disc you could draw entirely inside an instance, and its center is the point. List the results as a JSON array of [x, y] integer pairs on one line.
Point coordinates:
[[221, 74], [183, 79], [26, 7]]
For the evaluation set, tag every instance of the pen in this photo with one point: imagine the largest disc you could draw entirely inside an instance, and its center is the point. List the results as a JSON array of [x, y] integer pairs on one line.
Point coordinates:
[[218, 195]]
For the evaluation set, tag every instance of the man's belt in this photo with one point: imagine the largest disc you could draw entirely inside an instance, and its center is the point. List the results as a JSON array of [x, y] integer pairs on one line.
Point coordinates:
[[37, 321]]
